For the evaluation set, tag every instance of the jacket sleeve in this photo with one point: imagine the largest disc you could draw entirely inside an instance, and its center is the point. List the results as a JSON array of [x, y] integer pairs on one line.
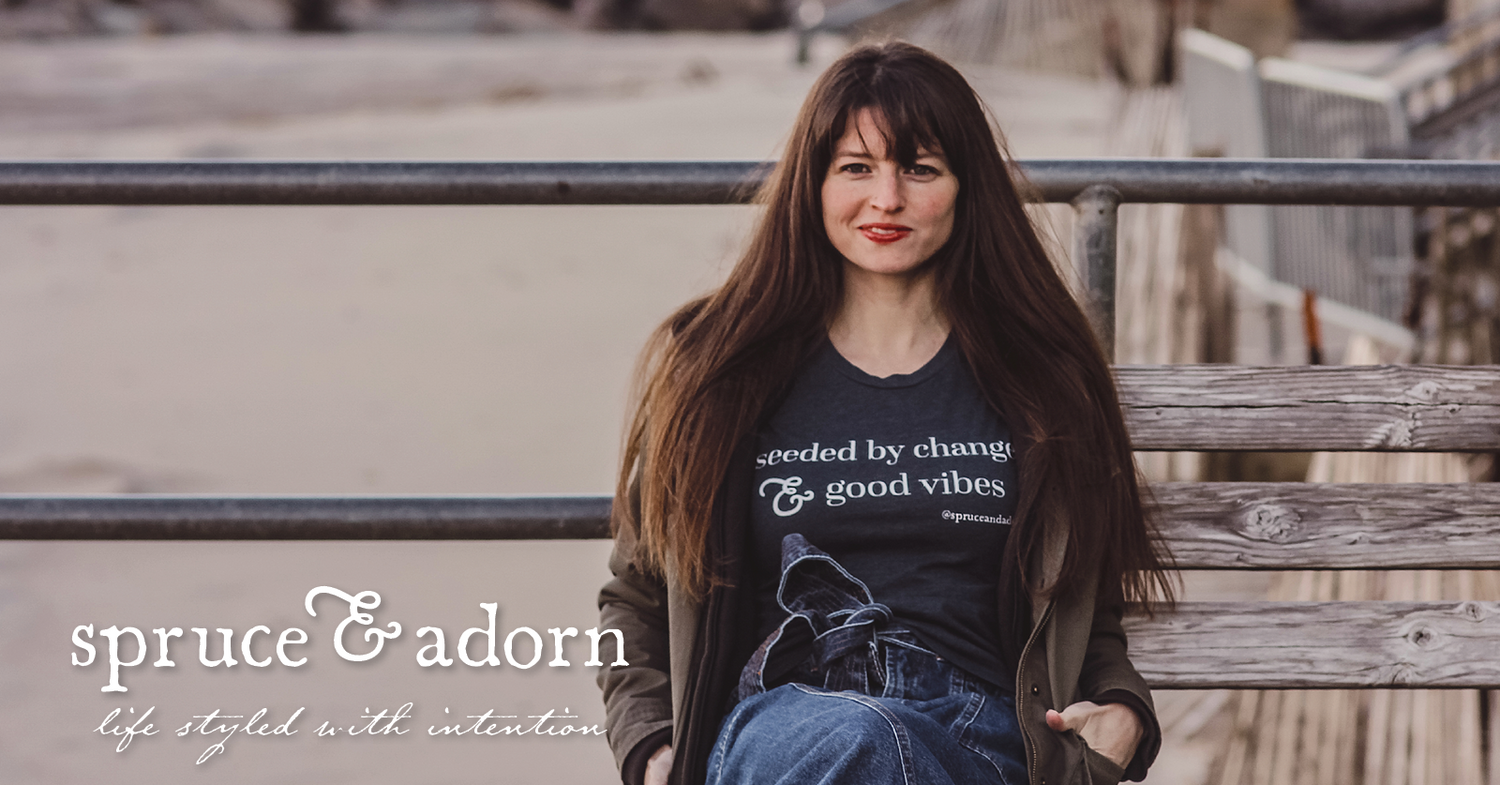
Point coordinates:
[[637, 696], [1109, 677]]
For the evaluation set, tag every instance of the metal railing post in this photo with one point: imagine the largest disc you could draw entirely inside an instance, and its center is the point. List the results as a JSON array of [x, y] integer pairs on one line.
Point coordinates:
[[804, 45], [1096, 219]]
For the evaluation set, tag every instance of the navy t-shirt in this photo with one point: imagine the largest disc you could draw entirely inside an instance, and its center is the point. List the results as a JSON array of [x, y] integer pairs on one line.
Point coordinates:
[[908, 481]]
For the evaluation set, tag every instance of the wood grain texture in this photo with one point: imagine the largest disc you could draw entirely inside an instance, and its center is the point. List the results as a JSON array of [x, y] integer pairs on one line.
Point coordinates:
[[1319, 645], [1274, 526], [1417, 408]]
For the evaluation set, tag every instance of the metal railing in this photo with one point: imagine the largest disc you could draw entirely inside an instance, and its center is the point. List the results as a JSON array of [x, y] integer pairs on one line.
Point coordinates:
[[1095, 187], [166, 517], [1182, 180]]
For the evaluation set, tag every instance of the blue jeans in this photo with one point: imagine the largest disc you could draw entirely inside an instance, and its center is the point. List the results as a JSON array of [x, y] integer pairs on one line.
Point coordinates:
[[840, 695]]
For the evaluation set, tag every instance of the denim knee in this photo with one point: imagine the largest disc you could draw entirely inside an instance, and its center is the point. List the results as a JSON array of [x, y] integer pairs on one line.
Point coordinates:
[[800, 734], [808, 735]]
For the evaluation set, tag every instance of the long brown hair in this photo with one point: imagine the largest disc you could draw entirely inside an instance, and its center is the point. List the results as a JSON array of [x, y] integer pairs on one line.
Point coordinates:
[[711, 370]]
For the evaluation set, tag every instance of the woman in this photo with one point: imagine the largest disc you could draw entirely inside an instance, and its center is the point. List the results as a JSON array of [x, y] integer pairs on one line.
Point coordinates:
[[892, 408]]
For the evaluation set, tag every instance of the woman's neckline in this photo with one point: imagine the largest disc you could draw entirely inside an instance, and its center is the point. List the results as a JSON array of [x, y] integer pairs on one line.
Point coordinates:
[[922, 374]]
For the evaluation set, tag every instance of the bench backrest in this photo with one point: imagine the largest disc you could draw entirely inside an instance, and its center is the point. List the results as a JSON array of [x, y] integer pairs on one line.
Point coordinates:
[[1336, 526]]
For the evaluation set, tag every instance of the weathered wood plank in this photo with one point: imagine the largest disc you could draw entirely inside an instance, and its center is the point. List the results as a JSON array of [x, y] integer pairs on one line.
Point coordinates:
[[1312, 526], [1417, 408], [1314, 645]]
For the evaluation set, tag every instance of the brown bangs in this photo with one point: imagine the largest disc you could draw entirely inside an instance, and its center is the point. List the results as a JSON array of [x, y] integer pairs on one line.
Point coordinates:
[[902, 131]]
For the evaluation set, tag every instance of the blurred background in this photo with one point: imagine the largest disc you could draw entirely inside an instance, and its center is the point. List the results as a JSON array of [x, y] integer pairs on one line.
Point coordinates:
[[487, 350]]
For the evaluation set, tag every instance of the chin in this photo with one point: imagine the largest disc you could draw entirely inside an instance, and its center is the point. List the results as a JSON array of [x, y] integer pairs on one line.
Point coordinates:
[[887, 265], [893, 270]]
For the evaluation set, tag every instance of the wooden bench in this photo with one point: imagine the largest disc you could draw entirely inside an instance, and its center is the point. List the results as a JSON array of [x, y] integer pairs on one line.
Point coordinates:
[[1316, 526]]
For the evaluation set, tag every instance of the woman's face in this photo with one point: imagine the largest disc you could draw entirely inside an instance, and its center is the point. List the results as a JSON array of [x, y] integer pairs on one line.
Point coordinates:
[[885, 218]]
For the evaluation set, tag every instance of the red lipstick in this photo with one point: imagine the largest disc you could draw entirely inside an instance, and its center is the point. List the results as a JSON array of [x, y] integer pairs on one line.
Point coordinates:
[[884, 233]]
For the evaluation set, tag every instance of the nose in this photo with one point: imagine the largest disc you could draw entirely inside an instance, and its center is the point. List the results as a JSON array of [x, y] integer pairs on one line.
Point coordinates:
[[890, 193]]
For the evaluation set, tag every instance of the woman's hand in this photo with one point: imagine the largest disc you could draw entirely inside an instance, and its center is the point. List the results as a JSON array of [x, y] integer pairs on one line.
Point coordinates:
[[659, 765], [1112, 730]]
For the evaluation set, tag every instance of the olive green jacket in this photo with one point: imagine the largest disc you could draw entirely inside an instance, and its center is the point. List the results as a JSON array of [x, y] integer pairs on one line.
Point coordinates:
[[685, 657]]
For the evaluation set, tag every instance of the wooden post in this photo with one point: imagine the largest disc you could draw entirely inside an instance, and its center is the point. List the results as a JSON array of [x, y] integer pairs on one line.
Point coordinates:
[[1095, 226]]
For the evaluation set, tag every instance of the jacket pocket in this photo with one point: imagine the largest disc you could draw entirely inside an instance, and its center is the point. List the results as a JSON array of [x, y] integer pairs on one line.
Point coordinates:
[[1101, 770]]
